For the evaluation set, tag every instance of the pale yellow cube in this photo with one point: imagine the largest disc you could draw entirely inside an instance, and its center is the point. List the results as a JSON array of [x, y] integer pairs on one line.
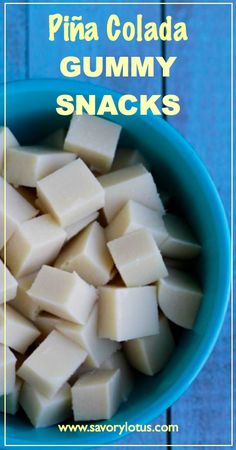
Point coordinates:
[[22, 302], [150, 354], [52, 363], [46, 323], [11, 284], [27, 165], [94, 139], [98, 349], [127, 313], [82, 193], [10, 370], [118, 361], [88, 255], [64, 294], [75, 228], [180, 243], [126, 157], [96, 395], [134, 216], [11, 141], [137, 258], [12, 399], [17, 211], [84, 368], [55, 139], [42, 411], [20, 332], [36, 242], [179, 297], [131, 183]]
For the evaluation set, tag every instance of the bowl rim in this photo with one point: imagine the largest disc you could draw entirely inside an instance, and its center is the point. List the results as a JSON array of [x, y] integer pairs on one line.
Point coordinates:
[[208, 340]]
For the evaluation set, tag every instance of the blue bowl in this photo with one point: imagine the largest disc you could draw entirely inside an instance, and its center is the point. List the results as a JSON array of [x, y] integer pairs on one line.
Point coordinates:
[[31, 114]]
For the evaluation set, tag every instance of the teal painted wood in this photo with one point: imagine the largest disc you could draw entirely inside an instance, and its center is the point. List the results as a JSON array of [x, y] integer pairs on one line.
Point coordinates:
[[201, 78], [203, 412], [16, 37], [47, 62], [152, 438]]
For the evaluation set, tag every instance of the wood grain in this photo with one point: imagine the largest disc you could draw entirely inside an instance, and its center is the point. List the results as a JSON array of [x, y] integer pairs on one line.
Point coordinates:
[[16, 42], [47, 62], [202, 79]]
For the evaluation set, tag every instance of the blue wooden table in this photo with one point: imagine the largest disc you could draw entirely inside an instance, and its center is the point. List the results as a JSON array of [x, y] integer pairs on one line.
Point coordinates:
[[202, 80]]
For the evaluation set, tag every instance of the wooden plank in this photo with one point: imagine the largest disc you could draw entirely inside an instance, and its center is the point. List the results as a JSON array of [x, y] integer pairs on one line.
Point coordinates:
[[47, 62], [146, 438], [16, 38], [201, 78], [203, 412], [46, 65]]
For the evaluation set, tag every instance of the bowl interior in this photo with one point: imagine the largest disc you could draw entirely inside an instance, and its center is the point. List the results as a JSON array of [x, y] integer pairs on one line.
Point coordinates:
[[31, 115]]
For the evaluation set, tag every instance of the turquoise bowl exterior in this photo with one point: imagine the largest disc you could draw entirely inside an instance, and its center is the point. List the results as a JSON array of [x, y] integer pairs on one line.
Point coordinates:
[[31, 114]]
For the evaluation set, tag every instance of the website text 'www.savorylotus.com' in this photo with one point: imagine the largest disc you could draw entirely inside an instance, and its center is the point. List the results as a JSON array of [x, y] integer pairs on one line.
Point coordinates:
[[118, 428]]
